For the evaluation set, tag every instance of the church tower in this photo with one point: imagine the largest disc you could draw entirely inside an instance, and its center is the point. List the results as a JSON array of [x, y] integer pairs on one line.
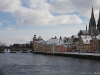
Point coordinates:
[[86, 27], [98, 25], [34, 39], [92, 24]]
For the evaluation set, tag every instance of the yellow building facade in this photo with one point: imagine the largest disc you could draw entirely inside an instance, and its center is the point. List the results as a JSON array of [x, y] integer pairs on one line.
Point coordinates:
[[83, 43]]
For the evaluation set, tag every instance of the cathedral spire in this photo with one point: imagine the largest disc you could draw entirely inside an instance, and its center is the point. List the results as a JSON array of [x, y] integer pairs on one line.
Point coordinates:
[[92, 13], [86, 27], [92, 24], [92, 19], [99, 15], [98, 25]]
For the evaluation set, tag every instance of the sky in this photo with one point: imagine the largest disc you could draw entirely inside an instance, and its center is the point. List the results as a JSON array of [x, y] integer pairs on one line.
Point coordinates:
[[20, 20]]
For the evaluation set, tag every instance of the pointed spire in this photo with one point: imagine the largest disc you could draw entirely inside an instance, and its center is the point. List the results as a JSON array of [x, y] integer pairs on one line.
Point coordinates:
[[99, 15], [92, 24], [86, 27], [92, 13], [98, 25], [92, 19], [99, 18], [60, 38], [55, 37]]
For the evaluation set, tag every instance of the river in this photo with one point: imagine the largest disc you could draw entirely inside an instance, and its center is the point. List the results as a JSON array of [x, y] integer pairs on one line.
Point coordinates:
[[38, 64]]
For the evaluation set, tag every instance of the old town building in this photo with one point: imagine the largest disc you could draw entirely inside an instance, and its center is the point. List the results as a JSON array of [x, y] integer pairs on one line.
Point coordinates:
[[84, 43], [90, 35], [66, 47], [52, 45], [95, 44], [38, 43]]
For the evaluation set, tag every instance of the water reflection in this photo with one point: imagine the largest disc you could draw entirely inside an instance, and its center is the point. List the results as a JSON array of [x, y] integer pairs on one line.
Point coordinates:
[[38, 64]]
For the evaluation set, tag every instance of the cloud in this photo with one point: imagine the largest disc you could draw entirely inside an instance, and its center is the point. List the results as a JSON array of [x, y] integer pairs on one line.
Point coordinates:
[[21, 40], [41, 5], [10, 5], [60, 6], [12, 40], [83, 7], [40, 12], [9, 28], [54, 12], [24, 39], [0, 24], [65, 19], [19, 30]]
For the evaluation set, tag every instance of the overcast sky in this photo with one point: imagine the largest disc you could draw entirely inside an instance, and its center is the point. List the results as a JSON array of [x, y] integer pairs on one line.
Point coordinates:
[[20, 20]]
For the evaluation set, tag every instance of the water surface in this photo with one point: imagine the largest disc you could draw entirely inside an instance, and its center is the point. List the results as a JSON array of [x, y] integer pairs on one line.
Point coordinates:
[[38, 64]]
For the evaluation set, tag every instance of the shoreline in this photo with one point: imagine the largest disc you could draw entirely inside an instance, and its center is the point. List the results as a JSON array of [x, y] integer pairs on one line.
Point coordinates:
[[74, 55], [68, 54]]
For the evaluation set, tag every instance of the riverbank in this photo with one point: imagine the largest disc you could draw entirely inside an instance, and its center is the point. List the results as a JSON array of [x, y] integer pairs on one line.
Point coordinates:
[[67, 54], [74, 54]]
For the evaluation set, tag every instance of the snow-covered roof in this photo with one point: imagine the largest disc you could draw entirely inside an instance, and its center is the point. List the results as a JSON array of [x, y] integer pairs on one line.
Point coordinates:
[[64, 38], [98, 36], [40, 38], [68, 45], [55, 41], [86, 39], [84, 32], [40, 41], [72, 37], [75, 36]]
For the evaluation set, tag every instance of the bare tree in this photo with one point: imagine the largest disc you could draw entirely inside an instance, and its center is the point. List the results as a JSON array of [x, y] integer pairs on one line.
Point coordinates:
[[2, 47]]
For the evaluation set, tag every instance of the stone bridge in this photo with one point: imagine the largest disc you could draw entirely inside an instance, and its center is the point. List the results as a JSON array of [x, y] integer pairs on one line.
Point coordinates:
[[14, 49]]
